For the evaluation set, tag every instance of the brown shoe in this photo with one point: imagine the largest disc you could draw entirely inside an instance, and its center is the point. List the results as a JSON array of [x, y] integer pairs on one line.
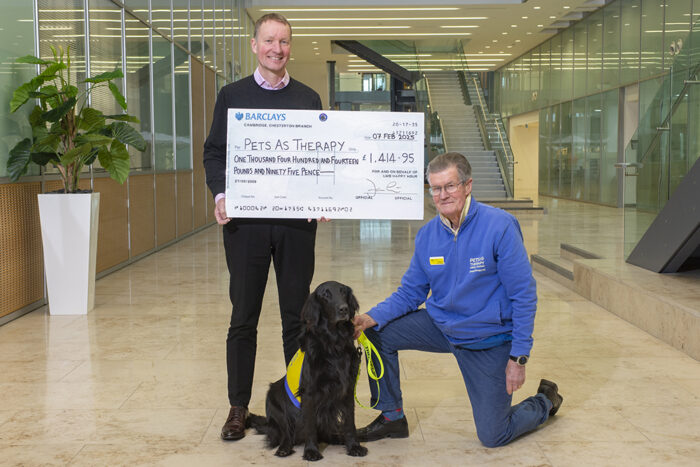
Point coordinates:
[[235, 425]]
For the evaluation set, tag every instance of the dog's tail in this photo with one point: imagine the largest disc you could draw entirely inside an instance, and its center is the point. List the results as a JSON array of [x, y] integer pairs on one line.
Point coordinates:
[[258, 422]]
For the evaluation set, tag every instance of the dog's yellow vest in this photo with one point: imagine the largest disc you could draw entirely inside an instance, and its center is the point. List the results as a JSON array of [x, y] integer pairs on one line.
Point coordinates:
[[293, 379]]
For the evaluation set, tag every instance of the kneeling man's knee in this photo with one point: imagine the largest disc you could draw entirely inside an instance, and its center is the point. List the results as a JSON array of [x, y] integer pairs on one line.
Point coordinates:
[[492, 439]]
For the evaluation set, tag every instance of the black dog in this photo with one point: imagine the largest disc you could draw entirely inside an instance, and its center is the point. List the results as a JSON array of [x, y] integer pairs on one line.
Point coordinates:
[[326, 387]]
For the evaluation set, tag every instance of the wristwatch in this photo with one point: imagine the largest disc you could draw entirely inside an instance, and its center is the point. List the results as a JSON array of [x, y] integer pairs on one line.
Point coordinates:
[[521, 360]]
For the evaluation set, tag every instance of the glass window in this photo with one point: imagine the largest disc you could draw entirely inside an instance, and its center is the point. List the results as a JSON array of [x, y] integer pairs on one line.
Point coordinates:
[[545, 89], [183, 142], [16, 40], [611, 46], [161, 16], [595, 52], [238, 42], [208, 28], [196, 28], [62, 24], [220, 31], [580, 55], [609, 134], [630, 41], [555, 73], [181, 25], [567, 64], [163, 103], [532, 98], [677, 34], [139, 8], [105, 53], [228, 39], [138, 89], [652, 38], [593, 147], [579, 133], [564, 149]]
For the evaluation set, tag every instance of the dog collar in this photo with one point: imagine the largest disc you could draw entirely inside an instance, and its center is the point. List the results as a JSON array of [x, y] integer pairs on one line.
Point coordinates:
[[293, 379]]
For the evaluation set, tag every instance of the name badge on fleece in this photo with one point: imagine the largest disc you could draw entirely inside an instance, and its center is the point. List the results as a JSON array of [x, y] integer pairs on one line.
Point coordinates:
[[437, 260]]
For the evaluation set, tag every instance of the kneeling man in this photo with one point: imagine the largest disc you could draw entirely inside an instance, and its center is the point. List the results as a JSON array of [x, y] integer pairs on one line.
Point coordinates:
[[481, 308]]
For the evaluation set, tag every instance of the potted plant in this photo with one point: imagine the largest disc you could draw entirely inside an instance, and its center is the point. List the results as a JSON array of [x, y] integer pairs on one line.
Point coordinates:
[[69, 135]]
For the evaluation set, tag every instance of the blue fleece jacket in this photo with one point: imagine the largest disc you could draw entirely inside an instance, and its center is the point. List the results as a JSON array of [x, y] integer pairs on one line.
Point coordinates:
[[480, 280]]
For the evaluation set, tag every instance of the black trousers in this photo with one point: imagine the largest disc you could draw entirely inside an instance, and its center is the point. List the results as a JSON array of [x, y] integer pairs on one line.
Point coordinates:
[[249, 248]]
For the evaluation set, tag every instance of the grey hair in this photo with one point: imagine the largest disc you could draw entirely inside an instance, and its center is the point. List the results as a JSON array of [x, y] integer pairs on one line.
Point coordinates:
[[271, 17], [451, 159]]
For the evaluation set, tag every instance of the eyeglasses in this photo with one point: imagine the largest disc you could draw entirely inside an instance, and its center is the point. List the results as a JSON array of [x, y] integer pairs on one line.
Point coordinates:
[[449, 188]]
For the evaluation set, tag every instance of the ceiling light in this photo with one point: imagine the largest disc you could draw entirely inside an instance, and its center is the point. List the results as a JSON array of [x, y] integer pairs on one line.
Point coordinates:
[[536, 7], [510, 46], [524, 17], [566, 7], [540, 25], [504, 33], [495, 40], [513, 25], [487, 47], [552, 17], [517, 40]]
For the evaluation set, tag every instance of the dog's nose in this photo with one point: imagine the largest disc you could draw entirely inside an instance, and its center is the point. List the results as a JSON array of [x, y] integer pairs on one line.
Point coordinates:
[[344, 311]]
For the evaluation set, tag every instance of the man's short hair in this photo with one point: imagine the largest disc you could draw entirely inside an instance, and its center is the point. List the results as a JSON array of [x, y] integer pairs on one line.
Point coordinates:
[[271, 17], [451, 159]]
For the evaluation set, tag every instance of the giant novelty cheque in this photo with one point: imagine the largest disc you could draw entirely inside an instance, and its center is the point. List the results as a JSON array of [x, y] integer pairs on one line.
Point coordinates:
[[333, 164]]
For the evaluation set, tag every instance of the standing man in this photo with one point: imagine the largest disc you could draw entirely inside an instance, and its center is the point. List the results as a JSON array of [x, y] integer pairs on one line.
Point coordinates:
[[482, 310], [250, 243]]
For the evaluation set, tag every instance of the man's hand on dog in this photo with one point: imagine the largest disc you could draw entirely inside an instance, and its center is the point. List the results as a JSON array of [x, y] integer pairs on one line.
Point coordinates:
[[361, 323], [515, 376]]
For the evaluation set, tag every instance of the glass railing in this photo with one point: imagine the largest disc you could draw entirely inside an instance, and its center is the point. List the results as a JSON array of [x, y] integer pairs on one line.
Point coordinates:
[[665, 145]]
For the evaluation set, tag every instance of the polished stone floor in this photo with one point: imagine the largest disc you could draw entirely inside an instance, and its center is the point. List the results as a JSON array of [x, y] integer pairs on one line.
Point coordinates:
[[141, 380]]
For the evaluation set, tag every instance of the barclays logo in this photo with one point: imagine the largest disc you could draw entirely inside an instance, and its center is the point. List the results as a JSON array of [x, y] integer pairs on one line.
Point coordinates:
[[262, 116], [239, 116]]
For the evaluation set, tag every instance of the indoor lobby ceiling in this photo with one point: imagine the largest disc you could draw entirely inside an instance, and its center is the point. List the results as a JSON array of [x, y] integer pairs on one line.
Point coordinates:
[[495, 32]]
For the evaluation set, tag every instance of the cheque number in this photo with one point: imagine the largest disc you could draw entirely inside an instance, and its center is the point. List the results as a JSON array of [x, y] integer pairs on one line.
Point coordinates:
[[389, 158]]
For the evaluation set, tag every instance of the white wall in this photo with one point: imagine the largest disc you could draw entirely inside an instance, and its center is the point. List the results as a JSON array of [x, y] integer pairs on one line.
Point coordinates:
[[313, 74]]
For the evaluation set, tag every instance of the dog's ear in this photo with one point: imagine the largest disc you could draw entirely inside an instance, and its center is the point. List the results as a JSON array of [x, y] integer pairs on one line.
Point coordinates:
[[352, 301], [311, 312]]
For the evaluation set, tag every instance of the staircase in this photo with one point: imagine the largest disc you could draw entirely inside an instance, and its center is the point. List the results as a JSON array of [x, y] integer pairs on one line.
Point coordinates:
[[461, 133]]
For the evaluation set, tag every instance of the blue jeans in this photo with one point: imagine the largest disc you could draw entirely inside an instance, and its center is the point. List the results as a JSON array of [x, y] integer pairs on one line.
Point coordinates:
[[497, 423]]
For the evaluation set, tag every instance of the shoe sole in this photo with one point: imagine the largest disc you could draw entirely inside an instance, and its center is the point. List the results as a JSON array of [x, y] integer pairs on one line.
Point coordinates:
[[390, 435], [232, 438]]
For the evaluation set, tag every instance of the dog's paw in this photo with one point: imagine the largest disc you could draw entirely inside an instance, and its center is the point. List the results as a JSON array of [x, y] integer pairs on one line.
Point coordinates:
[[312, 455], [284, 452], [357, 451]]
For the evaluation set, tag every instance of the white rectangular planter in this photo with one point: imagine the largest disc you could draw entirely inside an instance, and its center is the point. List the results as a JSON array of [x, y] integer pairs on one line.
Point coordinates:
[[69, 238]]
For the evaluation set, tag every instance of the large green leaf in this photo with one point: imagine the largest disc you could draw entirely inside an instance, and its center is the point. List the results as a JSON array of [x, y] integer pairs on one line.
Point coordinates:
[[123, 118], [117, 95], [46, 143], [55, 115], [51, 70], [43, 158], [128, 135], [106, 76], [91, 119], [70, 91], [21, 94], [35, 119], [94, 138], [19, 159], [115, 161], [32, 59], [79, 151], [90, 158]]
